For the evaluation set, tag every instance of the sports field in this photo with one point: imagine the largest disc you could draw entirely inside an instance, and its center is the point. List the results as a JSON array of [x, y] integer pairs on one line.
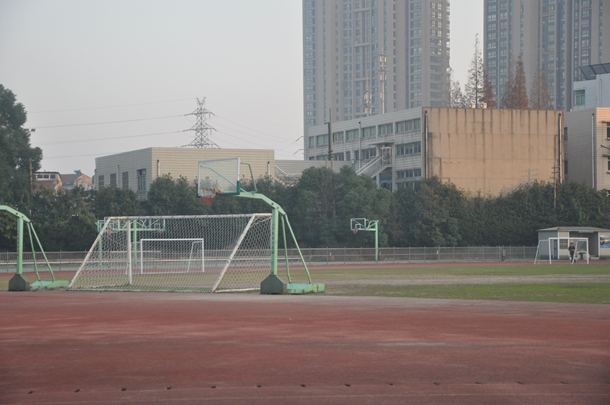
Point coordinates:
[[416, 334]]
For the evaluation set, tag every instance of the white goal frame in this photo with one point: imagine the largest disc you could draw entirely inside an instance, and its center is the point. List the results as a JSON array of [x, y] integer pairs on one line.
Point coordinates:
[[557, 240], [190, 259], [236, 254]]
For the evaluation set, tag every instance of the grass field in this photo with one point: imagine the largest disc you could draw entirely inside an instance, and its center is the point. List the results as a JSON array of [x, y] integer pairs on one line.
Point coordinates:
[[590, 293], [553, 283]]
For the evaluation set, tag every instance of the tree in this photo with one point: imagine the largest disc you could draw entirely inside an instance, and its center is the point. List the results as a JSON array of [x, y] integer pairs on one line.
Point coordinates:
[[474, 88], [174, 197], [16, 154], [539, 93], [113, 202], [453, 96], [488, 93], [515, 94]]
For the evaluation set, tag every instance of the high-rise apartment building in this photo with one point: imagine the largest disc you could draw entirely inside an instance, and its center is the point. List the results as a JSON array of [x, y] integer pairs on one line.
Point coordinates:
[[558, 36], [369, 57]]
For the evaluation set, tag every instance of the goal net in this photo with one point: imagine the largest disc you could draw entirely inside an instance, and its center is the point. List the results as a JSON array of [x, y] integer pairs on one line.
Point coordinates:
[[209, 253], [559, 249]]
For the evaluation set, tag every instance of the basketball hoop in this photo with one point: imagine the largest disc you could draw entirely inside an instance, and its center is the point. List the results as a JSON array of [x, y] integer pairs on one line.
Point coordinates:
[[355, 231], [208, 194]]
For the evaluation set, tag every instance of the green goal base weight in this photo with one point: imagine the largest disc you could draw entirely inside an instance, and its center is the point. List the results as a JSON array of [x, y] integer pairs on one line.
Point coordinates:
[[222, 175], [18, 282]]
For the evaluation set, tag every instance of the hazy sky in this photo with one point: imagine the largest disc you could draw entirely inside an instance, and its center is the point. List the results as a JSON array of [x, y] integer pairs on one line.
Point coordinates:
[[102, 77]]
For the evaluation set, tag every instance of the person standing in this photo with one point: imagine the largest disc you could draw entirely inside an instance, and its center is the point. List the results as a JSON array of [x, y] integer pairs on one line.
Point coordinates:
[[571, 249]]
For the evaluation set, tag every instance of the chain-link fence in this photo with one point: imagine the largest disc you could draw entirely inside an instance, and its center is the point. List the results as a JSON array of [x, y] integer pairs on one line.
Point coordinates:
[[71, 261], [414, 254]]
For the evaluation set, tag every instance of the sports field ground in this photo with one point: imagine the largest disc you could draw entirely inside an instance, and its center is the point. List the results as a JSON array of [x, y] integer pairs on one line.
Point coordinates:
[[501, 333]]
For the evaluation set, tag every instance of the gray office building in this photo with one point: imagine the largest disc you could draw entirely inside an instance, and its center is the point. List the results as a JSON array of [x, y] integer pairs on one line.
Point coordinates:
[[369, 57], [558, 36]]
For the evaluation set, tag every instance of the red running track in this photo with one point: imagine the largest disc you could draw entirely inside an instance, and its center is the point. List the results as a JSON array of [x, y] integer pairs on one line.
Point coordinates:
[[65, 347]]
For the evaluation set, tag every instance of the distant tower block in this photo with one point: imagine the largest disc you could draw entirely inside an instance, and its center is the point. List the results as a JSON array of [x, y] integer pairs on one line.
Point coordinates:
[[202, 129]]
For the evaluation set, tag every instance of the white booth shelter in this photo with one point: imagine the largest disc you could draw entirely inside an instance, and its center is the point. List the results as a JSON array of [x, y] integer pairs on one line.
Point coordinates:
[[598, 241]]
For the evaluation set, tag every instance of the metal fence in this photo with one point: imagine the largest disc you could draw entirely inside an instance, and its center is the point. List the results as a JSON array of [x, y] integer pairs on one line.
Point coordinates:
[[60, 261], [70, 261], [414, 254]]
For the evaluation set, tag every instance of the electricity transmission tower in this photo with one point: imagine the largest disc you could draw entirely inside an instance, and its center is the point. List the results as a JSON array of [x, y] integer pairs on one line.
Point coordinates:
[[202, 129]]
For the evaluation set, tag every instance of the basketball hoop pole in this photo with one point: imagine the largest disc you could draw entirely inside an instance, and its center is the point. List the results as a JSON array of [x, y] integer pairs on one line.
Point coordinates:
[[273, 284], [226, 179]]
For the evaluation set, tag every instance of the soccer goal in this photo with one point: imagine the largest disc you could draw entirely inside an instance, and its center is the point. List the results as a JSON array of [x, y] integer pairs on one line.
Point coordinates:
[[209, 253], [559, 249]]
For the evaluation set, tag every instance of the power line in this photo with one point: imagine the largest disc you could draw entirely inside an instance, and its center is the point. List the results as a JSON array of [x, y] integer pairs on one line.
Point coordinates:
[[80, 140], [111, 106], [109, 122]]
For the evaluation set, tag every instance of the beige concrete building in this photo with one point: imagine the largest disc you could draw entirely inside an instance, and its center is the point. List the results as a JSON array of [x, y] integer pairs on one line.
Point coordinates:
[[369, 57], [481, 150], [138, 169], [588, 147], [492, 150]]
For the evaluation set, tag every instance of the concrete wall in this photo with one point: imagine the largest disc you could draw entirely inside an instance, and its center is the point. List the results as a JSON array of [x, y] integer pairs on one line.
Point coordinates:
[[177, 162], [491, 150], [588, 161]]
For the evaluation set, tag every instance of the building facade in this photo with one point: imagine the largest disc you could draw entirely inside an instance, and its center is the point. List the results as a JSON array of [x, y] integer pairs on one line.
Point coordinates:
[[588, 147], [558, 36], [369, 57], [480, 150], [137, 170]]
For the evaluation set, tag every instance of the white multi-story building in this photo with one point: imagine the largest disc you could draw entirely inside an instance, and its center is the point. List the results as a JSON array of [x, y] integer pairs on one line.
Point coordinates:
[[594, 90]]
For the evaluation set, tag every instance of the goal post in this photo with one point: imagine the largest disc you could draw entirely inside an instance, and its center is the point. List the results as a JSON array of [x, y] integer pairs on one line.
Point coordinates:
[[209, 253], [558, 248], [176, 255]]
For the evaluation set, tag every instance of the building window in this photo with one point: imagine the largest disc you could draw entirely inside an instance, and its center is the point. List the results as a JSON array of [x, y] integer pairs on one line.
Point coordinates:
[[142, 180], [407, 174], [404, 126], [579, 97], [368, 153], [408, 149], [100, 182], [311, 142], [321, 140], [338, 137], [386, 129], [113, 180], [351, 134], [368, 132], [125, 180]]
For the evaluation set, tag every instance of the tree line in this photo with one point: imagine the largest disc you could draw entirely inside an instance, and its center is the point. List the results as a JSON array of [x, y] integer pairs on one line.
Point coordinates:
[[320, 206], [479, 90]]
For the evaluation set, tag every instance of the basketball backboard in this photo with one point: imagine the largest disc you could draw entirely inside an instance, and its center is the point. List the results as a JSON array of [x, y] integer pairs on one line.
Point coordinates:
[[221, 174], [357, 224]]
